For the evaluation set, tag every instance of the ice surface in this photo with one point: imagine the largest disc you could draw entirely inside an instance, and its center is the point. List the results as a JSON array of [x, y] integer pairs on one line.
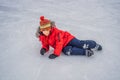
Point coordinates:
[[98, 20]]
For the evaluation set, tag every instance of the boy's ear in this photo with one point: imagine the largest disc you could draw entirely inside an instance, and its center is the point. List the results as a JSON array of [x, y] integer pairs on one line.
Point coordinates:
[[52, 23]]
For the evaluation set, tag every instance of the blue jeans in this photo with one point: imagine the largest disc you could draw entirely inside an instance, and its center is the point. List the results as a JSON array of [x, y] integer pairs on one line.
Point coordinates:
[[78, 47]]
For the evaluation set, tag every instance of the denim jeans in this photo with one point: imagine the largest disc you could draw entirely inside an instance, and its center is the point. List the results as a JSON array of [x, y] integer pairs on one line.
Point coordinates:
[[78, 47]]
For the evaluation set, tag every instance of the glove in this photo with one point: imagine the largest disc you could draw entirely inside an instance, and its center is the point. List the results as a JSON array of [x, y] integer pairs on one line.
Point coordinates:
[[52, 56], [42, 51]]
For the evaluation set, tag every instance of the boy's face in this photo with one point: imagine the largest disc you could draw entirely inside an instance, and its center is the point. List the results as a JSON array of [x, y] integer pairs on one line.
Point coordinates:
[[46, 31]]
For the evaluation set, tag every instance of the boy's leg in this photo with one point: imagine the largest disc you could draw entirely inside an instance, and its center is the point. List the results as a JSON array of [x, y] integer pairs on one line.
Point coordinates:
[[89, 44], [69, 50], [82, 43]]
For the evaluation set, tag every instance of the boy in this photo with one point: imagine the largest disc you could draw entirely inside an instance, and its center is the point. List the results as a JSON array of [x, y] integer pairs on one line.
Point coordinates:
[[62, 41]]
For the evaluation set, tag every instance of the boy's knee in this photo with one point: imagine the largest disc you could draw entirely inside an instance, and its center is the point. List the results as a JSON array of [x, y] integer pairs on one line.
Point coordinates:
[[67, 50], [89, 44]]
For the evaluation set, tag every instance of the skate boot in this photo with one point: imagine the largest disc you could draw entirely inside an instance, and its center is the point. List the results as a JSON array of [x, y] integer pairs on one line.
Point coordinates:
[[89, 52], [98, 47]]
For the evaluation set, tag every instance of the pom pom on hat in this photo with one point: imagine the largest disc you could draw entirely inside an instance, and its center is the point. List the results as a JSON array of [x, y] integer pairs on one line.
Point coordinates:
[[44, 23], [42, 18]]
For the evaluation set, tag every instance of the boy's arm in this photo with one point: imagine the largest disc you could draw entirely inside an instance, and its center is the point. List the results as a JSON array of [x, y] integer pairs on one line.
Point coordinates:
[[44, 43], [59, 44], [41, 38], [58, 47]]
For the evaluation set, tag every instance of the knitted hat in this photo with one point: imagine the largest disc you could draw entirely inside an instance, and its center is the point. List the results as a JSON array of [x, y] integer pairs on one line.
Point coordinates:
[[44, 23]]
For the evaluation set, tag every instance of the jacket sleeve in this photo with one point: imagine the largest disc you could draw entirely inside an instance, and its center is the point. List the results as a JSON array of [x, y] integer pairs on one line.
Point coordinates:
[[59, 44], [44, 42]]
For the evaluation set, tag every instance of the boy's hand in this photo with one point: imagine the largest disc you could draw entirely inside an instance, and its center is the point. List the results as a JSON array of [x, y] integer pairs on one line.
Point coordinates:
[[52, 56], [42, 51]]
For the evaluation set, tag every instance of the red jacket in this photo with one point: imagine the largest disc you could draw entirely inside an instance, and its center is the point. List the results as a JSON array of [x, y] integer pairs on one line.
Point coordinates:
[[58, 39]]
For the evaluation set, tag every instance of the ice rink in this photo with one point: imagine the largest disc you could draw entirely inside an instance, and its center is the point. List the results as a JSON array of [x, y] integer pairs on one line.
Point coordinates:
[[97, 20]]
